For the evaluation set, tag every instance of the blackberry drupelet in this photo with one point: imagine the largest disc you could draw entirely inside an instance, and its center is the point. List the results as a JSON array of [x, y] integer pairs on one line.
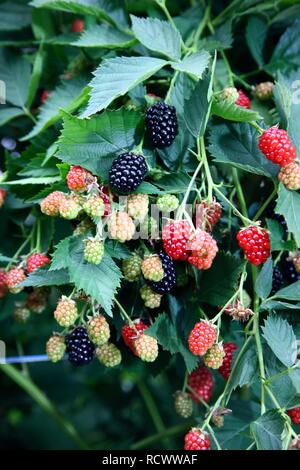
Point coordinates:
[[127, 172], [277, 281], [80, 349], [162, 126], [289, 272], [169, 279]]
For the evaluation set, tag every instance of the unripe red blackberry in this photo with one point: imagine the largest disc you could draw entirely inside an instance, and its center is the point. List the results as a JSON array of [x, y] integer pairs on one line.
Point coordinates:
[[77, 26], [69, 208], [175, 235], [276, 145], [44, 96], [151, 299], [264, 90], [78, 179], [214, 356], [3, 194], [289, 175], [98, 330], [14, 277], [207, 214], [127, 172], [55, 347], [109, 355], [121, 226], [243, 100], [93, 250], [152, 268], [167, 203], [3, 284], [37, 300], [162, 125], [203, 249], [94, 206], [66, 312], [21, 313], [225, 368], [130, 333], [137, 206], [183, 404], [146, 347], [255, 243], [196, 439], [50, 205], [202, 337], [35, 261], [201, 381], [132, 268], [294, 414]]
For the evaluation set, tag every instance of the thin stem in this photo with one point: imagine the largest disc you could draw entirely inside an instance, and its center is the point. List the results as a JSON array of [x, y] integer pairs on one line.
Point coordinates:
[[162, 5], [189, 188], [265, 204], [198, 397], [18, 252], [240, 193], [173, 431], [43, 401], [201, 27], [151, 406], [125, 315], [281, 411], [244, 219], [38, 236], [258, 341]]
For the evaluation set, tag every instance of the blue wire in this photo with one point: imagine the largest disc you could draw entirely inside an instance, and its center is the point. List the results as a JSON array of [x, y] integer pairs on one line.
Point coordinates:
[[25, 359]]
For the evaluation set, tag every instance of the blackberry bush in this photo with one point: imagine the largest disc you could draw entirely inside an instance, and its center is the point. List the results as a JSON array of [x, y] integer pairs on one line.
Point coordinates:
[[150, 224]]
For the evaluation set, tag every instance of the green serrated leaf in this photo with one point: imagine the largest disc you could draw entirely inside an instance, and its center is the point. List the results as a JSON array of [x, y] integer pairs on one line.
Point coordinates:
[[267, 431], [256, 33], [94, 143], [291, 292], [104, 36], [68, 96], [195, 64], [99, 281], [60, 257], [219, 283], [286, 55], [7, 114], [236, 144], [288, 205], [102, 9], [230, 111], [281, 339], [43, 277], [115, 77], [159, 36], [14, 16], [263, 285], [15, 73], [165, 332]]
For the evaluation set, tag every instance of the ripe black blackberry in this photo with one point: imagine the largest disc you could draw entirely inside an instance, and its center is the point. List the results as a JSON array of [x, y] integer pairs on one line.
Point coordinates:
[[162, 125], [127, 172], [289, 272], [277, 281], [80, 349], [169, 279]]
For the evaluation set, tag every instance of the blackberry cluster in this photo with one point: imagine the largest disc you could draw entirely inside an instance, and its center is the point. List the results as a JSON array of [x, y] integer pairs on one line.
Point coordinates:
[[162, 125], [127, 172], [169, 280], [80, 349], [277, 281], [289, 271]]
